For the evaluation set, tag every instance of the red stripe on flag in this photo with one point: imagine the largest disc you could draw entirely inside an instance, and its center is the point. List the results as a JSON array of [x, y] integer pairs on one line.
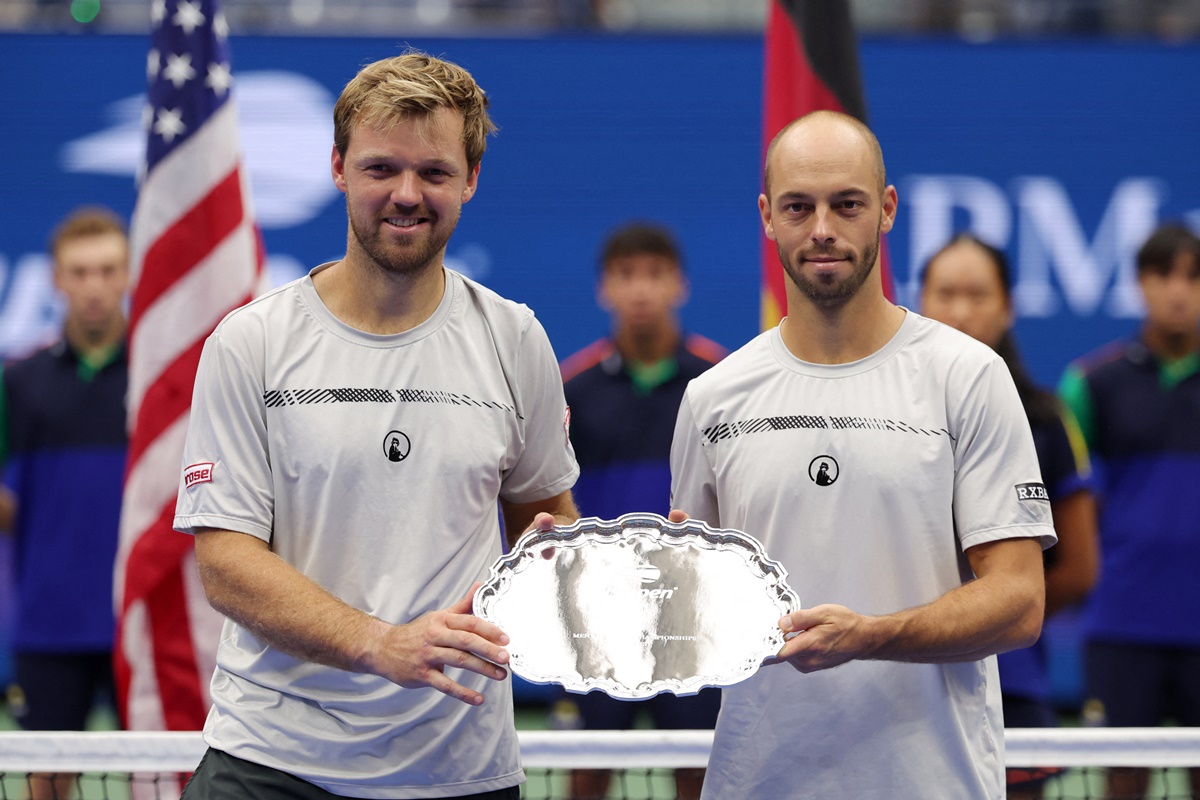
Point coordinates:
[[122, 672], [791, 89], [167, 399], [175, 662], [186, 243], [157, 552], [158, 581]]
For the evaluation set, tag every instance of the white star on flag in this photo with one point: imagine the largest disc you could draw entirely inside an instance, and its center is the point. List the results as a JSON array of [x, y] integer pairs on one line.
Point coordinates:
[[189, 17], [158, 10], [169, 124], [152, 65], [179, 69], [219, 78], [220, 26]]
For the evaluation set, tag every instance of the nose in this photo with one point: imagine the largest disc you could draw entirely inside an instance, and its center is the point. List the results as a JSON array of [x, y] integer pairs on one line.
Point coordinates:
[[960, 312], [822, 230], [406, 191]]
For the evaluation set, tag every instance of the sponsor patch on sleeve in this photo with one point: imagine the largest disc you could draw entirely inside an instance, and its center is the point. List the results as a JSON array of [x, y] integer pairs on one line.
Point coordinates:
[[197, 473], [1032, 491]]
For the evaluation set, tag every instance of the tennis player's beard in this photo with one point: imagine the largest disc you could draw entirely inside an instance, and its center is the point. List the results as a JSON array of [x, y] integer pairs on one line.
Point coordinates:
[[411, 260], [832, 296]]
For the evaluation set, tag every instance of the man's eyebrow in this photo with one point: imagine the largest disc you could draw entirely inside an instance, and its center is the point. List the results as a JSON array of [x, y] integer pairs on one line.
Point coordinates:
[[841, 194]]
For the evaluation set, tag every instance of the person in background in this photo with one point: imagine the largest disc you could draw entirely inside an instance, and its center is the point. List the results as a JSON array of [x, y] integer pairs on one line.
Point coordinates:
[[1138, 404], [967, 285], [351, 437], [624, 392], [63, 442], [917, 556]]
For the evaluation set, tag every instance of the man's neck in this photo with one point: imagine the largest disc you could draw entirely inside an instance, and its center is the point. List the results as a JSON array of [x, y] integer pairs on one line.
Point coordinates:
[[839, 336], [377, 302], [647, 347], [1170, 346], [95, 346]]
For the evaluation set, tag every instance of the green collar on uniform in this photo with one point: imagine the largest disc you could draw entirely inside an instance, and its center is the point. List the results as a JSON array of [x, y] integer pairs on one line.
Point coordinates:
[[648, 377], [1172, 373], [88, 366]]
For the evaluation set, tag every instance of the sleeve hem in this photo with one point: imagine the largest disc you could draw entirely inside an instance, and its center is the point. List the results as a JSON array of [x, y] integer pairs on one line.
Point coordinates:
[[1043, 533], [542, 493], [188, 523]]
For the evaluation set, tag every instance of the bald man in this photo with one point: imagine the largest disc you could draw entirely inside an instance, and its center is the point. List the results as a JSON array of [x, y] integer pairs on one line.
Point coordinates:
[[886, 461]]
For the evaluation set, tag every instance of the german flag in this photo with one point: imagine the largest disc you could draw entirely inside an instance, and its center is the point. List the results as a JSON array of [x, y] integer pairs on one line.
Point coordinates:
[[811, 62]]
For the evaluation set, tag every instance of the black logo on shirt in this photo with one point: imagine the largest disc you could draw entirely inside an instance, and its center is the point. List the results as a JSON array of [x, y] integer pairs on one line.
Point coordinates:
[[1032, 491], [396, 446], [823, 470]]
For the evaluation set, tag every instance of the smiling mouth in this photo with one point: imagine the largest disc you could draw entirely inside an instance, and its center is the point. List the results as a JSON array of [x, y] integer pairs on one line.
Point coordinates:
[[405, 223]]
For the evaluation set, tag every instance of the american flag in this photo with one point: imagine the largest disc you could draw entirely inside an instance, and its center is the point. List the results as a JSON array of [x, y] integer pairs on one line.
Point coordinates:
[[195, 255]]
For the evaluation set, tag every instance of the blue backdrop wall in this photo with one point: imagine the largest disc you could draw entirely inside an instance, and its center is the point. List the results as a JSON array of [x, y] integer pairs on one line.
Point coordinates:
[[1064, 153]]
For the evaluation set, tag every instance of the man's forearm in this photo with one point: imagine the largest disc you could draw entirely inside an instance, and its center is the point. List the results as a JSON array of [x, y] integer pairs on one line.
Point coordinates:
[[1000, 610], [976, 620], [248, 583]]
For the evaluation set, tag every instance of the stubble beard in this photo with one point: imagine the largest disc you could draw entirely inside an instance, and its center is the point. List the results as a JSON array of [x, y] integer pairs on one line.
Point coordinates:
[[409, 261], [832, 295]]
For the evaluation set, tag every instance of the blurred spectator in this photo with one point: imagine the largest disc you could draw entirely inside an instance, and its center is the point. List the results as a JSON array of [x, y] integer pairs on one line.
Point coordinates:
[[968, 285], [624, 393], [64, 444], [1138, 403]]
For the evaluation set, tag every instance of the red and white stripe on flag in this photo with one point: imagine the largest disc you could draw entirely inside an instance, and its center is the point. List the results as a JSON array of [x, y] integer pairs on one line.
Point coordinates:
[[195, 255]]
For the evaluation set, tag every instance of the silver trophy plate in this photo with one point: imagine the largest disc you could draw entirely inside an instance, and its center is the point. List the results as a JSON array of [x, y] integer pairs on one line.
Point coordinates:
[[637, 606]]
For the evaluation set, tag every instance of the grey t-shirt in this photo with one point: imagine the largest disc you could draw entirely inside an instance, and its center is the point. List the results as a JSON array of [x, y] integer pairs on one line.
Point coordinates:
[[373, 465], [867, 481]]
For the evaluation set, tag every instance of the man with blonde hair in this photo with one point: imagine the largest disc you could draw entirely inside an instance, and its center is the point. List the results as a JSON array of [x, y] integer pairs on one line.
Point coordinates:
[[351, 435]]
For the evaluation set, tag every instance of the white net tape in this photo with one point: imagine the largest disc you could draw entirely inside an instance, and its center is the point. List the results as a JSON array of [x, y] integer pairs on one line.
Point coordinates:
[[180, 752]]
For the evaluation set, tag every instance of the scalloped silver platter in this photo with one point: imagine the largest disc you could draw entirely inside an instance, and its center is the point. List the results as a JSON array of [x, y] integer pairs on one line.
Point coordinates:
[[637, 606]]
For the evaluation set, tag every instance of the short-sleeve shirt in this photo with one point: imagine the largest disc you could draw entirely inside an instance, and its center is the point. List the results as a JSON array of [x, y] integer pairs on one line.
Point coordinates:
[[64, 454], [372, 464], [1141, 418], [867, 481], [622, 432]]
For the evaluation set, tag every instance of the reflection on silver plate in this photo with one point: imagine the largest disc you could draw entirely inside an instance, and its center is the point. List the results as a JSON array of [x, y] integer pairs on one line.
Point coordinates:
[[637, 606]]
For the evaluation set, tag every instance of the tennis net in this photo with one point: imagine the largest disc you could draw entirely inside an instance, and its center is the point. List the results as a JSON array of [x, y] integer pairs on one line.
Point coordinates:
[[1064, 763]]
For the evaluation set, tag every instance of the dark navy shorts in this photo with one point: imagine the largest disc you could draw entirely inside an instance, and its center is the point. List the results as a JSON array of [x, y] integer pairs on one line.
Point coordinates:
[[220, 776], [1141, 686], [600, 712], [57, 691]]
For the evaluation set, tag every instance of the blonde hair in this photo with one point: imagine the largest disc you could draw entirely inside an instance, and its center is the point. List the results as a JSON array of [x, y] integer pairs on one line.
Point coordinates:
[[85, 222], [413, 85]]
